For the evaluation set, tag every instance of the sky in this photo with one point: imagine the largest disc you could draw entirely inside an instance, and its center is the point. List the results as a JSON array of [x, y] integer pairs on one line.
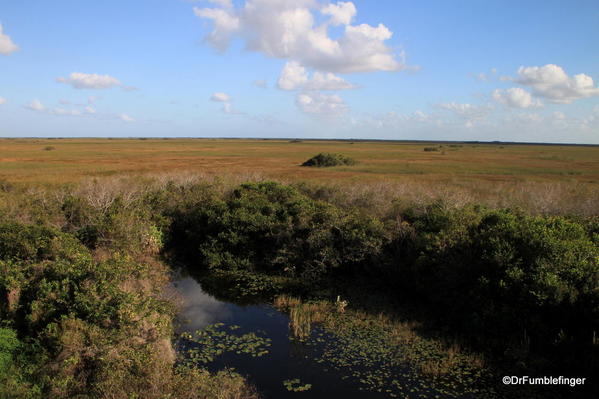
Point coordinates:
[[504, 70]]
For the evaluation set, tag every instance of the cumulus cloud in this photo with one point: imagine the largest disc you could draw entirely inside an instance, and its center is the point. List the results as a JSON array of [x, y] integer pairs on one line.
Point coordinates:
[[126, 118], [287, 29], [86, 111], [516, 98], [6, 44], [341, 13], [319, 104], [294, 76], [467, 111], [2, 100], [80, 80], [225, 25], [227, 103], [35, 105], [552, 82], [220, 97], [328, 81]]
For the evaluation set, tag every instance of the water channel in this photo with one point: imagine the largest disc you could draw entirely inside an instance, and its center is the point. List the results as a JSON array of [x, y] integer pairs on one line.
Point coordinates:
[[287, 358]]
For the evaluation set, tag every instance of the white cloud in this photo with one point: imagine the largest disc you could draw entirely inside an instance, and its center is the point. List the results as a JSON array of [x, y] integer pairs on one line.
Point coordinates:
[[467, 111], [35, 105], [220, 97], [341, 13], [6, 44], [552, 82], [225, 25], [325, 105], [3, 100], [80, 80], [485, 77], [287, 29], [126, 118], [227, 103], [328, 81], [87, 111], [294, 76], [66, 112], [516, 98], [228, 109]]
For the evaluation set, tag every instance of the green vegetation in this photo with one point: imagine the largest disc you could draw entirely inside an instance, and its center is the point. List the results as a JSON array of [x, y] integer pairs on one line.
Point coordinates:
[[325, 160], [214, 340], [387, 355], [295, 385], [490, 276], [77, 322], [82, 277], [275, 229]]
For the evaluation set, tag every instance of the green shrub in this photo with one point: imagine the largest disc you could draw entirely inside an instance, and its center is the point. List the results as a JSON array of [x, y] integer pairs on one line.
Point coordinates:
[[9, 344], [36, 243], [325, 159], [498, 273], [273, 228], [431, 149]]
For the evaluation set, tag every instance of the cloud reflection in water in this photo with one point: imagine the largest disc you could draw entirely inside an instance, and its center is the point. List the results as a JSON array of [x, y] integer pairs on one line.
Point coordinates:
[[199, 309]]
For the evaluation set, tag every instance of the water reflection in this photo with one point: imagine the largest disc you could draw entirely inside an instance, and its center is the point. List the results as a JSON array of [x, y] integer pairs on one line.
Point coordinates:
[[199, 309]]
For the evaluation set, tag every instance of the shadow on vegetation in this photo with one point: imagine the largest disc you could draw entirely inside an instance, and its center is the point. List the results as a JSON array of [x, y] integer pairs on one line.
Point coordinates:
[[83, 311]]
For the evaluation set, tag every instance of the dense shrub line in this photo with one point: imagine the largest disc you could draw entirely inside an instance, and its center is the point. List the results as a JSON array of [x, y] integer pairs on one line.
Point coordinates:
[[520, 283], [77, 323], [494, 275]]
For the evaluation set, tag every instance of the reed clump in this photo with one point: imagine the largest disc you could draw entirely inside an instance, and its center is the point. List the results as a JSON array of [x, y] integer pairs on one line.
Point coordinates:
[[303, 315]]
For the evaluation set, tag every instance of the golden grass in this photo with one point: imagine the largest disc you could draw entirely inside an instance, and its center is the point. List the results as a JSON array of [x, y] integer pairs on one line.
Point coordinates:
[[73, 159], [540, 178]]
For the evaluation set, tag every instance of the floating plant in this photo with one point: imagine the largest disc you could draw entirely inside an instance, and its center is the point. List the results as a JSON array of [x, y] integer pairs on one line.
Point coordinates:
[[295, 385], [214, 340]]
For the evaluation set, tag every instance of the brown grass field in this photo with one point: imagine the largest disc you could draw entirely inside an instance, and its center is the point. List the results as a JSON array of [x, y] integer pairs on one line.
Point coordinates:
[[52, 161], [546, 179]]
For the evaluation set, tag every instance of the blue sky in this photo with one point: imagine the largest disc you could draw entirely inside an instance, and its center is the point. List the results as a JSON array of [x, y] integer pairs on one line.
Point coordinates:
[[385, 69]]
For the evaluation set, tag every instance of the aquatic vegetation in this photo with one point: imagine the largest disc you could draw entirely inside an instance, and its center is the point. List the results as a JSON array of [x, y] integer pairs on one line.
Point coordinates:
[[206, 345], [302, 315], [295, 385], [286, 302], [384, 355]]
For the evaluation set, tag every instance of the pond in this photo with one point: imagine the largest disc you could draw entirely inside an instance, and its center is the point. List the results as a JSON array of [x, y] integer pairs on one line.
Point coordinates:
[[281, 366]]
